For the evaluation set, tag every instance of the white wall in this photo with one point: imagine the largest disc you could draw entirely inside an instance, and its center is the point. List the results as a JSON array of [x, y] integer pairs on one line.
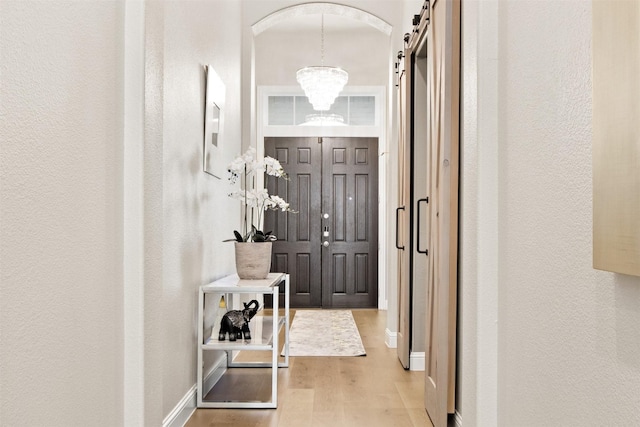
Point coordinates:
[[60, 213], [564, 350], [365, 55], [197, 214], [69, 326]]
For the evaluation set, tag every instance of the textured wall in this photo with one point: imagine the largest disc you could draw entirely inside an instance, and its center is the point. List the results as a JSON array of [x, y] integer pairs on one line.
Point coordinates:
[[197, 214], [468, 282], [567, 337], [60, 213]]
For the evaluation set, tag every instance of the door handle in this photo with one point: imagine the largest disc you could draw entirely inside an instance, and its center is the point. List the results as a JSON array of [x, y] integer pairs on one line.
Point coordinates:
[[425, 201], [397, 212], [325, 244]]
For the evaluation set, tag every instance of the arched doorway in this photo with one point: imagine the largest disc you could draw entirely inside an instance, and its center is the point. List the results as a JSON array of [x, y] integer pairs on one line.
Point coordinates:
[[291, 39]]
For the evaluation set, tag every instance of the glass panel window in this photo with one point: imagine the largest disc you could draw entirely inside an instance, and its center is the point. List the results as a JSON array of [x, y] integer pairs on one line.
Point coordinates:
[[280, 110], [352, 110], [340, 107], [362, 110], [303, 109]]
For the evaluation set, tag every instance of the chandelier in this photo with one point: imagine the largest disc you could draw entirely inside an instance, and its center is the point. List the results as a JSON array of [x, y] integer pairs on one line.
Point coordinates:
[[323, 120], [321, 83]]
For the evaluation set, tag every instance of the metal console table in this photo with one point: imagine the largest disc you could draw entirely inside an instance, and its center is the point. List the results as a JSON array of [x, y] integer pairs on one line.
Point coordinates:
[[264, 334]]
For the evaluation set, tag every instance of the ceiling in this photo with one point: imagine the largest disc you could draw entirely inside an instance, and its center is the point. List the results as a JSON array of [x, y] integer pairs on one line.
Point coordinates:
[[310, 22]]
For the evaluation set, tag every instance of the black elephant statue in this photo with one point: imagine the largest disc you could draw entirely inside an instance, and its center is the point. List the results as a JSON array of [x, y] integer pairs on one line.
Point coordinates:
[[236, 322]]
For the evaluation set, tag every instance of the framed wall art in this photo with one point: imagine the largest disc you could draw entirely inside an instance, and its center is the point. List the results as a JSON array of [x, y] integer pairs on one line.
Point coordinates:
[[213, 123], [616, 136]]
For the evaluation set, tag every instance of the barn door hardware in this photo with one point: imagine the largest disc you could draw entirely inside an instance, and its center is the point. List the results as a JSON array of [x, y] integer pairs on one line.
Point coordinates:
[[426, 251]]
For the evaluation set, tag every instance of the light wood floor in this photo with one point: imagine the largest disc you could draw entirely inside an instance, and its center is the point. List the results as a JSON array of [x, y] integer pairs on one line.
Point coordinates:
[[371, 391]]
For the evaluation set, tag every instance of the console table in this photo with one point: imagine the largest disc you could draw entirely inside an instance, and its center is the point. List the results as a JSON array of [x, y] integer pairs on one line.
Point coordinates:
[[264, 335]]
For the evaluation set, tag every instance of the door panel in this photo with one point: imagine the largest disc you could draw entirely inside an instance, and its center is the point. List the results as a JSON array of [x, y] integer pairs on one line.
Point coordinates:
[[350, 199], [298, 246], [337, 178], [443, 69], [403, 243]]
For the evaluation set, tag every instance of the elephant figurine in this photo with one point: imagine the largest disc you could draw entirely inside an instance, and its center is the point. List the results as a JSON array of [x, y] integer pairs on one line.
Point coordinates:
[[236, 322]]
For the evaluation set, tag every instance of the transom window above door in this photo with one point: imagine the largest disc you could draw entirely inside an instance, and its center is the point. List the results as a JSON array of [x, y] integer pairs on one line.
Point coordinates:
[[295, 110]]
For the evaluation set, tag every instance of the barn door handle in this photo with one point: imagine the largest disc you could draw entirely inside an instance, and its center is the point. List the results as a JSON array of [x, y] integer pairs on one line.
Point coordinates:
[[425, 201], [397, 212]]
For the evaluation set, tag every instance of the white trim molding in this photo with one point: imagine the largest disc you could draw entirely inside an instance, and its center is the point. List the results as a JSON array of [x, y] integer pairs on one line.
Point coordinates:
[[181, 413], [133, 256], [417, 361], [390, 338], [289, 13], [457, 418]]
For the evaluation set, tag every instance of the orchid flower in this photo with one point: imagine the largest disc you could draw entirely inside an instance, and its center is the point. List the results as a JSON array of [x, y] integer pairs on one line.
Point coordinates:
[[245, 166]]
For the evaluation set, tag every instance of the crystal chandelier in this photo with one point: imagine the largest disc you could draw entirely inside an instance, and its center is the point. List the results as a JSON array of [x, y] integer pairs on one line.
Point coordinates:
[[323, 120], [321, 83]]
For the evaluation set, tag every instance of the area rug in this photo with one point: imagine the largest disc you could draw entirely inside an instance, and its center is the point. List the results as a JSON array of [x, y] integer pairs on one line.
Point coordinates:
[[324, 333]]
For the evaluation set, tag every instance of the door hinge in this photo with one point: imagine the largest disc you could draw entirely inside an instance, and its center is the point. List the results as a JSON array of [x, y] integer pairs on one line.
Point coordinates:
[[319, 140]]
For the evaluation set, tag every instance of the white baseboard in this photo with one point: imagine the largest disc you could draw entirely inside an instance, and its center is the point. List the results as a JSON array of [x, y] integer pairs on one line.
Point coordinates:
[[458, 419], [179, 416], [390, 338], [181, 413], [416, 361], [215, 373]]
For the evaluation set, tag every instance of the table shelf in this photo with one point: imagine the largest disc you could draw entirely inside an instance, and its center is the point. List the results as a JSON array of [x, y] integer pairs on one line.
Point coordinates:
[[263, 341]]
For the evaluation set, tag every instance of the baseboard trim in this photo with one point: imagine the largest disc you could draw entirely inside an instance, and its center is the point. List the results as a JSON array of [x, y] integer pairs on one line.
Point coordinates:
[[416, 361], [181, 413], [215, 373], [390, 338], [179, 416], [457, 418]]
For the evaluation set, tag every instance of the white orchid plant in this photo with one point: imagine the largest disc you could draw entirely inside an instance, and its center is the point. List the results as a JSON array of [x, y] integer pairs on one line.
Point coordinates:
[[247, 166]]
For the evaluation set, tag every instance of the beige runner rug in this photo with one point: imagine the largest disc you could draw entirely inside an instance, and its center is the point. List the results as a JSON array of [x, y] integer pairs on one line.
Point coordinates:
[[324, 333]]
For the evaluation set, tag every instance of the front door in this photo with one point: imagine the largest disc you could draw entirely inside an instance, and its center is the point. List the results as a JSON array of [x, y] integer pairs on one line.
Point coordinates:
[[330, 247]]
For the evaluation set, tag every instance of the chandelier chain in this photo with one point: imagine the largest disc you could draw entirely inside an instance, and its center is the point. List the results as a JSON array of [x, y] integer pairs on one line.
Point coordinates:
[[322, 39], [322, 84]]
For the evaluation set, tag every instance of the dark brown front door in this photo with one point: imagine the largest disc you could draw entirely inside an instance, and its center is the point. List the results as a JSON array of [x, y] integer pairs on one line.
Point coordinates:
[[297, 250], [330, 247]]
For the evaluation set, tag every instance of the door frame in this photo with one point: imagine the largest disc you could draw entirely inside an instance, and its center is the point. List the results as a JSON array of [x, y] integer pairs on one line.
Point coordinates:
[[379, 130]]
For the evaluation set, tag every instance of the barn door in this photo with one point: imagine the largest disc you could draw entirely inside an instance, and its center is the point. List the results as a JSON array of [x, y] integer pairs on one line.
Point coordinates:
[[443, 79], [403, 244]]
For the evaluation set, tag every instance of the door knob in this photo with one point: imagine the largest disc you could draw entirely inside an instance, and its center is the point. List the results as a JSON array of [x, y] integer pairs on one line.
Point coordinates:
[[325, 216], [325, 244]]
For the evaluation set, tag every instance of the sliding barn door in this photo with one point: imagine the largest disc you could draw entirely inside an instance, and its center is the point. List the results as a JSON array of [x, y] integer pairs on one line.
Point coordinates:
[[402, 217], [443, 76]]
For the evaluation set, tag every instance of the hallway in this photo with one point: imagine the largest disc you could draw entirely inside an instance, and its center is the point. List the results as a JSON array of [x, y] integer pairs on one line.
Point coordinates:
[[372, 391]]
